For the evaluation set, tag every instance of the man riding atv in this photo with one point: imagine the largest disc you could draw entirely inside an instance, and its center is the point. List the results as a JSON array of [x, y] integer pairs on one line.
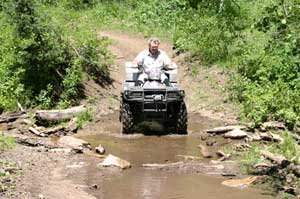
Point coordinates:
[[153, 61], [151, 92]]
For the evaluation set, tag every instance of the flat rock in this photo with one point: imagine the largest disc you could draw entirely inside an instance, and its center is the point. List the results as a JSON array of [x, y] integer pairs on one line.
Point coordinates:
[[272, 125], [75, 144], [271, 137], [254, 137], [235, 134], [112, 160], [240, 183]]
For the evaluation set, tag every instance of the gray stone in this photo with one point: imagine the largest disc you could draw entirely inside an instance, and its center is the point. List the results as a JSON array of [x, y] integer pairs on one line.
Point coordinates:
[[235, 134], [112, 160], [75, 144], [272, 125], [100, 149]]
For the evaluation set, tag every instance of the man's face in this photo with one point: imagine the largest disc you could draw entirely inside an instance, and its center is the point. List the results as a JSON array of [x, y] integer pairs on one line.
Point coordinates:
[[154, 47]]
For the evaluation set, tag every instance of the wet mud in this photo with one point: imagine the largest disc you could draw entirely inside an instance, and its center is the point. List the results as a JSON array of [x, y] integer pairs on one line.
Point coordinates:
[[138, 182]]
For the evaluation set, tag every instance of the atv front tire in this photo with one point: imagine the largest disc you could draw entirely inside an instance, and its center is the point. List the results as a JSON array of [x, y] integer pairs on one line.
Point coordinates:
[[181, 124], [126, 119]]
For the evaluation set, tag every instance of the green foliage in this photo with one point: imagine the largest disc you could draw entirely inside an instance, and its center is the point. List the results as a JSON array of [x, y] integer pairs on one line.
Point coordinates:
[[83, 118], [44, 99], [269, 66], [6, 143], [78, 4], [251, 158], [41, 56], [70, 85]]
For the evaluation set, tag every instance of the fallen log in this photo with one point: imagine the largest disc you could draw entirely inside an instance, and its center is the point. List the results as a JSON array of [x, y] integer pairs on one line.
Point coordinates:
[[36, 132], [53, 130], [59, 115], [263, 165], [224, 129], [196, 167], [204, 151], [223, 156], [20, 107], [279, 159], [13, 117], [160, 166], [264, 168]]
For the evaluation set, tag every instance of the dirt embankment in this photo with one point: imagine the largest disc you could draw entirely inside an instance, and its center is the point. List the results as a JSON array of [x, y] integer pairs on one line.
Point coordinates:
[[44, 174]]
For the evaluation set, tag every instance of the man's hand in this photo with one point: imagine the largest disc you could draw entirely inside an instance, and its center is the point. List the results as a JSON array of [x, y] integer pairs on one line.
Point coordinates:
[[135, 64], [172, 66]]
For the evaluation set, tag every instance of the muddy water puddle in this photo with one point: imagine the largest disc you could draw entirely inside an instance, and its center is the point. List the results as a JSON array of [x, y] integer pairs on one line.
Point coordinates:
[[141, 183]]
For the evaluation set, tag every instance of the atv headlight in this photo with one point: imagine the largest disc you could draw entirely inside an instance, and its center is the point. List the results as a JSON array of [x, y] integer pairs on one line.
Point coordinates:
[[136, 94], [172, 95], [181, 93], [176, 95], [126, 93]]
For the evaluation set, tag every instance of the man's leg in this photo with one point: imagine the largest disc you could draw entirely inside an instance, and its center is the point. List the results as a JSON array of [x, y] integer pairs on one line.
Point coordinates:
[[165, 79], [141, 79]]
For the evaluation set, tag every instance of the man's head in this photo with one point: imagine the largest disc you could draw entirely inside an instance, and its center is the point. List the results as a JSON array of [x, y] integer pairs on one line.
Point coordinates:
[[153, 45]]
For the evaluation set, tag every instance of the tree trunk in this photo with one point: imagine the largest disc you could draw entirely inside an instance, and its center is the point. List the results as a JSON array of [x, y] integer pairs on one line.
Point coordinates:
[[59, 115], [279, 159]]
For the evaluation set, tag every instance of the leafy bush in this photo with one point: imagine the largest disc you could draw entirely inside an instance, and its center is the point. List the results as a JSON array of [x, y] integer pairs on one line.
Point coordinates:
[[270, 66], [42, 58]]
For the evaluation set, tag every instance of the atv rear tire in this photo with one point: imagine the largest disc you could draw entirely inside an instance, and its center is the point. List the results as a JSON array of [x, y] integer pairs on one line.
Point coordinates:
[[126, 119], [181, 123]]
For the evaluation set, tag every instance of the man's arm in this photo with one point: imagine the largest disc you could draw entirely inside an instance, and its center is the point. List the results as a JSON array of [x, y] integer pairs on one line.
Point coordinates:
[[139, 59], [168, 63]]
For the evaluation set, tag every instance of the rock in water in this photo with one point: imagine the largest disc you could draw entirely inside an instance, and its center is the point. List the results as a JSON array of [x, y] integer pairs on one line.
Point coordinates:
[[100, 149], [112, 160]]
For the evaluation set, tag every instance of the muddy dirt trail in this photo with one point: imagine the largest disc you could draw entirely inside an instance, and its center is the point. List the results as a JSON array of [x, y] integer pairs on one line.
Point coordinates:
[[207, 108]]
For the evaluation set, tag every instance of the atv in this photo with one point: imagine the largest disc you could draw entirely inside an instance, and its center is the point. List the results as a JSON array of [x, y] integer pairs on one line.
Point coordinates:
[[152, 101]]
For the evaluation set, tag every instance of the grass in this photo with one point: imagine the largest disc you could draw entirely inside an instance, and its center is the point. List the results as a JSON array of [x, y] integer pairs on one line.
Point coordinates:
[[6, 181], [6, 143], [84, 117], [288, 148], [250, 158]]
